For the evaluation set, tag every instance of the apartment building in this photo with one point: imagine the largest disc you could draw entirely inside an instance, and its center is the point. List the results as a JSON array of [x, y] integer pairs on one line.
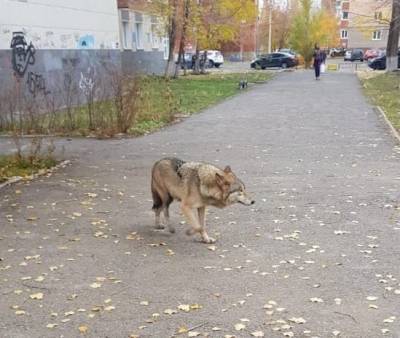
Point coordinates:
[[364, 23], [144, 45], [47, 44], [50, 46]]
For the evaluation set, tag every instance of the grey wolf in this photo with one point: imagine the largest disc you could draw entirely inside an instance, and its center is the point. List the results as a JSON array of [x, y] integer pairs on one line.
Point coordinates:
[[196, 185]]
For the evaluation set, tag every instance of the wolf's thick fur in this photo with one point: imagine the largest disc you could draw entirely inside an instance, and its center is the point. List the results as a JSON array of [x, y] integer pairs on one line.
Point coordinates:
[[196, 185]]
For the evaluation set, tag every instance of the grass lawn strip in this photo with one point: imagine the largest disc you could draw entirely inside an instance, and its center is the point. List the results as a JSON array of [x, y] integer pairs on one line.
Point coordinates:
[[11, 166], [192, 94], [159, 103], [384, 90]]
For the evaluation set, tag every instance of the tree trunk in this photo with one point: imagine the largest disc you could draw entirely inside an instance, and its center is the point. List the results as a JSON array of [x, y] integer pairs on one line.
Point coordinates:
[[203, 62], [181, 56], [196, 67], [393, 39], [173, 26]]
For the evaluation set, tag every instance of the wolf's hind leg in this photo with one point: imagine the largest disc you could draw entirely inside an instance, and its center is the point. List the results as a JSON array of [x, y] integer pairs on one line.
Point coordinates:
[[158, 224], [157, 207], [166, 214]]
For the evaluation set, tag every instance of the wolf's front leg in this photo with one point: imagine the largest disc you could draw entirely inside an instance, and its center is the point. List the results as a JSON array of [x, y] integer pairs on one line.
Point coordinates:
[[194, 220], [202, 219]]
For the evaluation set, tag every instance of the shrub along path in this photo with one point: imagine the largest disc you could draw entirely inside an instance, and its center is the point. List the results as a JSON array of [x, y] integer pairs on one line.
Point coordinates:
[[317, 255]]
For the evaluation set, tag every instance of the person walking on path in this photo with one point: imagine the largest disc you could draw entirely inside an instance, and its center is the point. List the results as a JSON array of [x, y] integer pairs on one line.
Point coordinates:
[[318, 59]]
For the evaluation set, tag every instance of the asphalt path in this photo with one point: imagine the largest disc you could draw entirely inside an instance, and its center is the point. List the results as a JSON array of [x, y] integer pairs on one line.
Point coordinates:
[[316, 256]]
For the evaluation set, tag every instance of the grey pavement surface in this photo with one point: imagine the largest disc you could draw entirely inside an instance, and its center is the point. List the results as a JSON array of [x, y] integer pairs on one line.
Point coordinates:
[[317, 256]]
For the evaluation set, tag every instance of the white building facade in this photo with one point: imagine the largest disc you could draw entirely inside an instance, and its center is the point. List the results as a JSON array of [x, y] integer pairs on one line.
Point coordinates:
[[48, 44], [61, 24]]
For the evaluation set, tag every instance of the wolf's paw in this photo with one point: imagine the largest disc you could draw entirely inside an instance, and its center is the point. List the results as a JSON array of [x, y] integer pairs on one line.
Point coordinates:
[[159, 227], [209, 240], [171, 229]]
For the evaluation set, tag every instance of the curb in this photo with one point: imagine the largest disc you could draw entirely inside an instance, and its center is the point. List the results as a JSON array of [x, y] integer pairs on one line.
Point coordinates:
[[395, 133], [42, 172]]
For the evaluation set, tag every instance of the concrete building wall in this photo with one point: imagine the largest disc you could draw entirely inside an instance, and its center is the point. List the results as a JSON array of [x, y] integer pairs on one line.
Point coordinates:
[[364, 40], [50, 45], [367, 25], [61, 24]]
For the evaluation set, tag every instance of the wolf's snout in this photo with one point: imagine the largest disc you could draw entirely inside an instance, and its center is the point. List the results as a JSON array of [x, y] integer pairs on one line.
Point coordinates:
[[252, 202]]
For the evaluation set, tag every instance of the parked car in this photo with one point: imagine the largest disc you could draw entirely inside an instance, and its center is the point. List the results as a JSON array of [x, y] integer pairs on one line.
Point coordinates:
[[335, 52], [371, 54], [215, 58], [379, 63], [287, 51], [282, 60], [187, 61], [354, 55]]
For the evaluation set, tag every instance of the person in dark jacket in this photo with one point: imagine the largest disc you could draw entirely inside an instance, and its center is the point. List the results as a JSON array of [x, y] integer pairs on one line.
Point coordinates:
[[318, 59]]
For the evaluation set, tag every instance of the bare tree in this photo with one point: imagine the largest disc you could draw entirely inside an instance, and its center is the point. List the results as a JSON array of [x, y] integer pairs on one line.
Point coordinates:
[[393, 39]]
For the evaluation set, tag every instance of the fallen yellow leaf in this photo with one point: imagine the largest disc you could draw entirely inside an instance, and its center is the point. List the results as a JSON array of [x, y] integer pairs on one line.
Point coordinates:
[[38, 295], [83, 329]]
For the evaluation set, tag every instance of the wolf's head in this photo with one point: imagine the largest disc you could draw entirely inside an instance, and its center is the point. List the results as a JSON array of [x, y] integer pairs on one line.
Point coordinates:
[[233, 189]]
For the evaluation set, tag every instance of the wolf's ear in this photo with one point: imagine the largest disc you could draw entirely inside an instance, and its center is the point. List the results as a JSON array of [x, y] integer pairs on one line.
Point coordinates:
[[227, 169], [219, 179]]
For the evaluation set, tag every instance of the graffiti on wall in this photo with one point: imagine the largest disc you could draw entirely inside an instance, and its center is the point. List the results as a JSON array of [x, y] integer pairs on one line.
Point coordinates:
[[23, 54], [36, 83], [86, 83], [86, 41]]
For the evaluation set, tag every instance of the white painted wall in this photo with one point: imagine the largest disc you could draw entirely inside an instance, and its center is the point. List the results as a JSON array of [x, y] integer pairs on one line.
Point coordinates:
[[61, 24]]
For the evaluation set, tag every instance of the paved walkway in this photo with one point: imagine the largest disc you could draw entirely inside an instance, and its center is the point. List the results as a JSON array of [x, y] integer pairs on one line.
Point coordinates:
[[318, 255]]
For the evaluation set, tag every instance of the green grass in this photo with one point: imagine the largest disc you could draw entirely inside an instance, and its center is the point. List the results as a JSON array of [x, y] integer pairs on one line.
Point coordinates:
[[11, 165], [188, 95], [158, 102], [195, 92], [384, 90]]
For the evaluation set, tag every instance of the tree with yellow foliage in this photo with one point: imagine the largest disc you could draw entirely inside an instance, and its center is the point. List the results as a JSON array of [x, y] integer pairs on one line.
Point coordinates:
[[205, 23], [215, 22], [310, 28], [325, 29]]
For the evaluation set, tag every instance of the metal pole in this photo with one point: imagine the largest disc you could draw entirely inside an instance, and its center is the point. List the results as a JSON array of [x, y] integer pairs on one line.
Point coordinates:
[[256, 30], [270, 27]]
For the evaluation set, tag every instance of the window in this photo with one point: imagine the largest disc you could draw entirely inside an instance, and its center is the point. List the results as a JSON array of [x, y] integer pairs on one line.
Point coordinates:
[[155, 41], [345, 15], [166, 48], [343, 34], [378, 15], [139, 34], [376, 35], [126, 30]]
